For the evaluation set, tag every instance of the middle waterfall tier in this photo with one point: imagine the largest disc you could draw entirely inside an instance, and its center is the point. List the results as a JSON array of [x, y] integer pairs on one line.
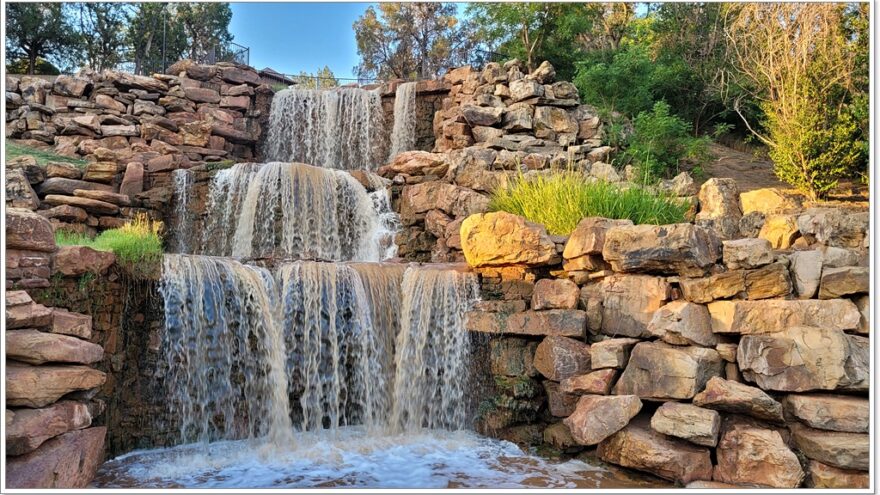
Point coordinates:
[[255, 351], [293, 211]]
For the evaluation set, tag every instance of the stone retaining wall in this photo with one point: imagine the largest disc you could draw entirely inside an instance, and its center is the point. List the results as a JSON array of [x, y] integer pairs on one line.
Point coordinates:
[[703, 361]]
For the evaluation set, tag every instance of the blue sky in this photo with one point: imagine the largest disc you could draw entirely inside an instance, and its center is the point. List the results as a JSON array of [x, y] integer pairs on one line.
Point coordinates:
[[291, 37]]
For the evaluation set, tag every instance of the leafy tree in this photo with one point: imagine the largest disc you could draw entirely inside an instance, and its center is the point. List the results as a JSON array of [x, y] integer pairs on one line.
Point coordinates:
[[101, 28], [408, 40], [322, 79], [661, 141], [795, 60], [617, 81], [534, 32], [36, 30], [144, 37], [206, 25], [42, 66]]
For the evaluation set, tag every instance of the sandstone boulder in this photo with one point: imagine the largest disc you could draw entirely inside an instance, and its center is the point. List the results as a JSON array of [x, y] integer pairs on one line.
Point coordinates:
[[637, 446], [719, 206], [71, 86], [658, 370], [830, 412], [66, 213], [133, 180], [597, 382], [19, 193], [770, 200], [750, 454], [555, 294], [63, 170], [780, 231], [824, 476], [29, 314], [846, 281], [28, 230], [739, 398], [35, 347], [103, 172], [66, 323], [499, 238], [864, 305], [415, 163], [611, 353], [834, 226], [800, 359], [90, 205], [747, 253], [76, 260], [688, 422], [27, 429], [838, 449], [524, 89], [589, 236], [66, 461], [559, 322], [107, 197], [629, 303], [767, 282], [29, 167], [560, 404], [722, 285], [806, 272], [751, 317], [680, 248], [598, 416], [558, 358], [38, 386], [683, 323], [59, 185]]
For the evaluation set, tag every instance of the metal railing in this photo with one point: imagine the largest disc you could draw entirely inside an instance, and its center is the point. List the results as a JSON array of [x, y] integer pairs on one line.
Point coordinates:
[[229, 52]]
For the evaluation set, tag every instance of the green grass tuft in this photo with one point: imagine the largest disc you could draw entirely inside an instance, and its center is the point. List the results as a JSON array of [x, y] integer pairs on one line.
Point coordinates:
[[15, 150], [560, 200], [136, 244]]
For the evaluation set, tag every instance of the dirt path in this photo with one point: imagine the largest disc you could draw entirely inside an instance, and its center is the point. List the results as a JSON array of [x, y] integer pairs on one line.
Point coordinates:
[[749, 171]]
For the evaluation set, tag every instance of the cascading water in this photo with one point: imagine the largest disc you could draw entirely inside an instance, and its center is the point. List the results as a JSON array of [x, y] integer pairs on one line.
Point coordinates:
[[182, 240], [342, 128], [403, 134], [292, 210]]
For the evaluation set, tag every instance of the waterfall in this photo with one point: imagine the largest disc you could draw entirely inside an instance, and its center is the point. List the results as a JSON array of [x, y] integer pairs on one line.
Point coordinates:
[[292, 210], [403, 134], [254, 351], [182, 239], [342, 128]]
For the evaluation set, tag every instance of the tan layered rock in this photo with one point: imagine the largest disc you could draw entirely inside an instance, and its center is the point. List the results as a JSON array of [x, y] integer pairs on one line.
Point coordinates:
[[589, 237], [864, 305], [845, 281], [597, 382], [637, 446], [770, 200], [754, 455], [747, 253], [415, 163], [805, 358], [824, 476], [103, 172], [90, 205], [830, 412], [66, 461], [597, 417], [681, 248], [780, 230], [558, 358], [500, 238], [107, 197], [28, 230], [767, 316], [63, 169], [687, 422], [718, 286], [76, 260], [560, 322], [35, 347], [767, 282], [66, 323], [418, 199], [27, 429], [683, 323], [555, 294], [60, 185], [838, 449], [629, 303], [38, 386], [658, 370], [26, 314], [611, 353], [719, 206], [739, 398]]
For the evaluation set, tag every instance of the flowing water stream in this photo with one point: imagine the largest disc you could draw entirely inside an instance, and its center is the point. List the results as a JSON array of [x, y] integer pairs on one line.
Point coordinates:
[[403, 134]]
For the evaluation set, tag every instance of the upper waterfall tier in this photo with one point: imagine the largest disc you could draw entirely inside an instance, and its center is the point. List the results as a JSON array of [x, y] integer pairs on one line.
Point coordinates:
[[403, 134], [292, 210], [343, 128]]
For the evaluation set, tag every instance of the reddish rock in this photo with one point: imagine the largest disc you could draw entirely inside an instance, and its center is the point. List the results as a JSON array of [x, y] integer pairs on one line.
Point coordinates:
[[27, 315], [558, 358], [236, 75], [66, 323], [107, 197], [560, 404], [560, 322], [597, 417], [830, 412], [596, 383], [35, 347], [839, 449], [749, 454], [730, 396], [29, 231], [59, 185], [27, 429], [202, 95], [637, 446], [64, 170], [38, 386], [235, 102], [824, 476], [76, 260], [555, 294], [133, 181], [90, 205], [66, 461], [66, 213]]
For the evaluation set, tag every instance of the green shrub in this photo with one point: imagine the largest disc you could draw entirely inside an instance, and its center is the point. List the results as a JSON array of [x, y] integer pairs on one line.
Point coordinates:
[[660, 142], [560, 200], [137, 244], [617, 81]]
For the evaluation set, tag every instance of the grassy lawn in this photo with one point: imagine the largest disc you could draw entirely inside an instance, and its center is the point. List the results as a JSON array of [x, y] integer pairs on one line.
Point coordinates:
[[14, 150]]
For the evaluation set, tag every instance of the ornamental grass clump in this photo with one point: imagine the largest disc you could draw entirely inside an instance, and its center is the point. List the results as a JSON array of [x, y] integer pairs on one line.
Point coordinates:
[[560, 199], [137, 244]]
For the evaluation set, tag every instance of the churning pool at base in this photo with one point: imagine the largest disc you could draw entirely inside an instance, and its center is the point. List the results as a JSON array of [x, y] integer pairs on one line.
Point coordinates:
[[351, 458]]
